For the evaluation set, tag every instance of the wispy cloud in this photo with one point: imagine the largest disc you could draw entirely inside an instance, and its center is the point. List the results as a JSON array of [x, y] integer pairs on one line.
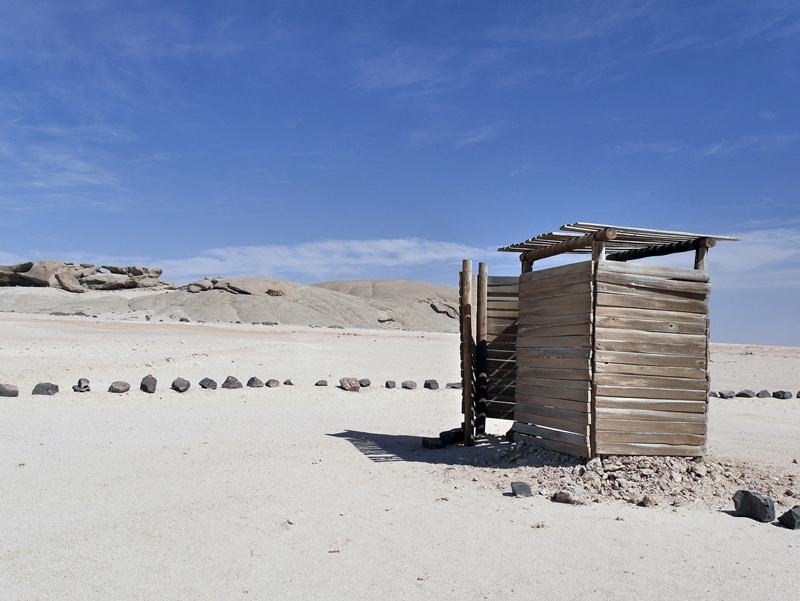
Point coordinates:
[[325, 260], [766, 142], [764, 259], [476, 136]]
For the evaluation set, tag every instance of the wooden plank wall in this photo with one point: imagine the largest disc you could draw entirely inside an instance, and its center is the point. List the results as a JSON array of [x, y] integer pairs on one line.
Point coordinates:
[[650, 363], [554, 350], [502, 309]]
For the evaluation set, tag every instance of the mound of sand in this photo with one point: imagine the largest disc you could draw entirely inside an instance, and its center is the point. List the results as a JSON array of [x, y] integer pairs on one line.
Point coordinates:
[[378, 304]]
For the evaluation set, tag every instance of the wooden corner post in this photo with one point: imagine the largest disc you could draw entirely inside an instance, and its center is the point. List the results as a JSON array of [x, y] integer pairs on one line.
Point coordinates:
[[481, 360], [466, 352]]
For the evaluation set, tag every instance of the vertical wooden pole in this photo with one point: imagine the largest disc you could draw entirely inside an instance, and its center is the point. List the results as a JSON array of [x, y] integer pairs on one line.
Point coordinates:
[[700, 258], [466, 352], [527, 266], [598, 250], [480, 350]]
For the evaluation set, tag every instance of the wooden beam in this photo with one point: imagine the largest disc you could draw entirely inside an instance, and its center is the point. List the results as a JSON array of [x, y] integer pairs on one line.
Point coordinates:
[[700, 258], [603, 235], [660, 250], [466, 352], [482, 362]]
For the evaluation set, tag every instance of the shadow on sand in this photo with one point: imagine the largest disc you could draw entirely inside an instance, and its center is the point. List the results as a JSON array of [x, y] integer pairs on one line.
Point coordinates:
[[382, 448]]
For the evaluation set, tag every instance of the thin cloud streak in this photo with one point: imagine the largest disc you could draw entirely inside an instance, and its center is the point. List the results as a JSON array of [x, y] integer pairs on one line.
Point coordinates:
[[324, 260]]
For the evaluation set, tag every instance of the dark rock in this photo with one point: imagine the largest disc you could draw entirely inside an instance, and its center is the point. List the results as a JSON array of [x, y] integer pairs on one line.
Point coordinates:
[[754, 505], [184, 319], [453, 385], [180, 385], [782, 395], [451, 437], [791, 519], [432, 443], [208, 383], [391, 384], [255, 383], [350, 384], [714, 394], [510, 435], [746, 393], [764, 394], [119, 387], [82, 386], [288, 383], [572, 494], [431, 385], [364, 382], [45, 388], [272, 383], [409, 385], [727, 394], [798, 394], [148, 384], [8, 390], [321, 383], [232, 383], [521, 489]]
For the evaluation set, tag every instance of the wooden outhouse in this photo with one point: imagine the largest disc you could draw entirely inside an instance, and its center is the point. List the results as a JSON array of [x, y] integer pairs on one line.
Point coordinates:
[[602, 356]]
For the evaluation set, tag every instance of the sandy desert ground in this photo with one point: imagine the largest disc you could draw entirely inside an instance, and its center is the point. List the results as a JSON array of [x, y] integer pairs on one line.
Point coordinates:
[[306, 492]]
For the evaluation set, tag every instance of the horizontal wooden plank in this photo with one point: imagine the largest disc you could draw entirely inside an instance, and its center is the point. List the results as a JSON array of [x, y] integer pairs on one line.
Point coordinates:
[[555, 282], [605, 287], [506, 329], [556, 320], [672, 394], [651, 449], [555, 374], [566, 306], [501, 364], [504, 289], [651, 325], [604, 413], [554, 362], [498, 314], [652, 283], [634, 381], [525, 400], [651, 404], [697, 351], [656, 314], [555, 352], [644, 269], [628, 425], [695, 373], [501, 280], [524, 388], [651, 337], [551, 341], [649, 359], [499, 410], [651, 437], [584, 267], [554, 445], [572, 290], [580, 329], [501, 340], [651, 303], [551, 422], [551, 434], [561, 384]]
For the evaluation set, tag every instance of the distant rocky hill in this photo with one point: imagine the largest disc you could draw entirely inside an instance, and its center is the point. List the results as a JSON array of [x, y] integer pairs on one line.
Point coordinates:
[[135, 295], [79, 278]]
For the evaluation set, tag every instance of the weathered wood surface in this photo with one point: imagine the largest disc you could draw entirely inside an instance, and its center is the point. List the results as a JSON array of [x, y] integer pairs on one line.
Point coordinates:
[[651, 348], [655, 315], [658, 271], [538, 419], [646, 415], [584, 385], [554, 362], [551, 434], [629, 425], [533, 341], [549, 396], [651, 404], [651, 325], [651, 437], [650, 449], [695, 373], [635, 381], [650, 284], [467, 396], [581, 267], [650, 359], [580, 329], [674, 394], [533, 293], [497, 409], [554, 445], [638, 301], [567, 306]]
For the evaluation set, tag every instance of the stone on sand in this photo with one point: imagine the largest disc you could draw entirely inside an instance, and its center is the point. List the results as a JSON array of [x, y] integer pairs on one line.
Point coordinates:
[[431, 385], [180, 385], [119, 387], [521, 489], [272, 383], [321, 383], [8, 390], [573, 494], [255, 383], [350, 384], [82, 385], [45, 388], [783, 395], [791, 519], [208, 383], [409, 385], [148, 384], [754, 505], [231, 383], [391, 384]]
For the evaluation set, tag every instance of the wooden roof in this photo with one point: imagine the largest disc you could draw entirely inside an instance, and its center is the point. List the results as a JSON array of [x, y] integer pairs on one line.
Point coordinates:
[[627, 238]]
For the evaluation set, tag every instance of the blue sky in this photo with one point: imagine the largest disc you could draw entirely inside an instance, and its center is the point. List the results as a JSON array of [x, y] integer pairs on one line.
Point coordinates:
[[329, 140]]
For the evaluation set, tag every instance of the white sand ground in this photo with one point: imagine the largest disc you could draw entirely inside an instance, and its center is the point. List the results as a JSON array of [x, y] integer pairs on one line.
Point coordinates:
[[306, 492]]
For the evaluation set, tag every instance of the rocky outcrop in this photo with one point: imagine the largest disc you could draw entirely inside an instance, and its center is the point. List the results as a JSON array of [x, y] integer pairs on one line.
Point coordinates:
[[77, 278], [253, 286]]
